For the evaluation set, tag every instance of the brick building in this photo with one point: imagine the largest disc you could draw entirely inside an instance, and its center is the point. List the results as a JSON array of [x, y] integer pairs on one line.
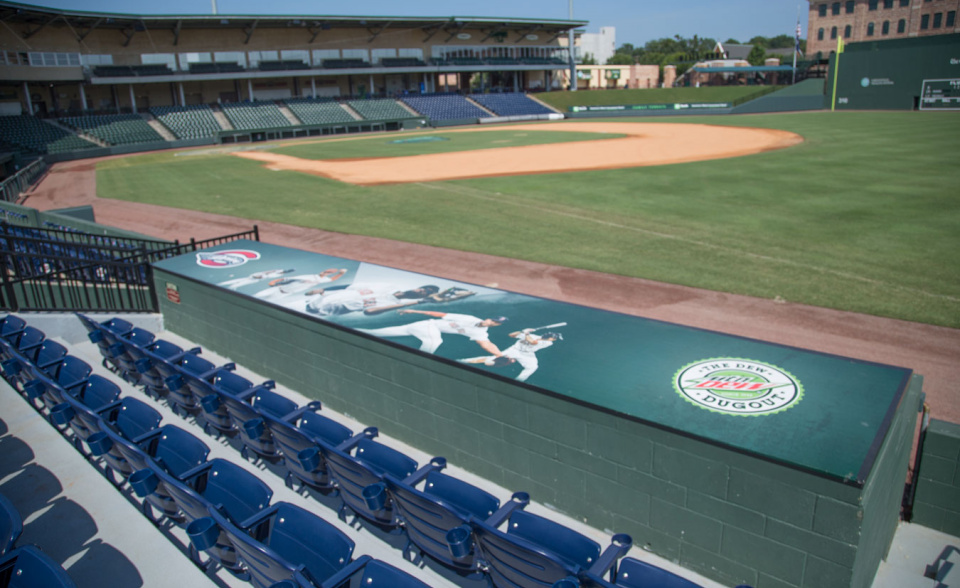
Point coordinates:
[[877, 20]]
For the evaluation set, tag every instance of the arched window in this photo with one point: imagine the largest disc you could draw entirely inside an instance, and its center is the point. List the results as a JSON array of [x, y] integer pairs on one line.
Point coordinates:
[[833, 33], [870, 29], [847, 31], [901, 26], [886, 27], [820, 34]]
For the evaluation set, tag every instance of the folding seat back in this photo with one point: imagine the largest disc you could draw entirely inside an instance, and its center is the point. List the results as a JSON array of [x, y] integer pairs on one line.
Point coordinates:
[[122, 426], [28, 567], [227, 389], [366, 467], [11, 330], [172, 449], [157, 364], [48, 354], [254, 434], [379, 574], [634, 573], [189, 384], [133, 343], [536, 552], [310, 431], [11, 525], [81, 408], [20, 352], [53, 383], [444, 504], [282, 541]]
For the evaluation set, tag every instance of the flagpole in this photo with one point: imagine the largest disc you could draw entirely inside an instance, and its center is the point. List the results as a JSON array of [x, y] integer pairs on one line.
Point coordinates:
[[796, 47]]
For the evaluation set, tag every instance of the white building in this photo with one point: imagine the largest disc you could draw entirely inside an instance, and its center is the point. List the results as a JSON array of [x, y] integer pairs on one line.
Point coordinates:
[[601, 46]]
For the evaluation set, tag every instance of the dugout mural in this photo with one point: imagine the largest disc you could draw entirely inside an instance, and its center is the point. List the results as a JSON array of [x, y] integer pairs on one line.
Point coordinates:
[[813, 411]]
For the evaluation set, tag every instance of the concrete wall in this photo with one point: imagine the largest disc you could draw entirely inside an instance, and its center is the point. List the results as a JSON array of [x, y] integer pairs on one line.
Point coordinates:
[[937, 503], [729, 516]]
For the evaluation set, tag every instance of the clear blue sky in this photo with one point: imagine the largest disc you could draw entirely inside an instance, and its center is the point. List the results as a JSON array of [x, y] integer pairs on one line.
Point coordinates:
[[636, 21]]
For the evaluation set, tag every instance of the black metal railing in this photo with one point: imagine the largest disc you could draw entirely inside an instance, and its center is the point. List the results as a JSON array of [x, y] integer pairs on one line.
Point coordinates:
[[22, 181], [86, 272]]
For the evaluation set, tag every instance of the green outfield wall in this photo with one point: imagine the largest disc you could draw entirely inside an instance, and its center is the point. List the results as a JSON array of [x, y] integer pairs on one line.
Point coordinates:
[[728, 515], [889, 75]]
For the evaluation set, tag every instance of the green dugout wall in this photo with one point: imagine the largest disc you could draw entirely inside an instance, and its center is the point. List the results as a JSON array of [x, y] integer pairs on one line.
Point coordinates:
[[889, 75], [733, 514]]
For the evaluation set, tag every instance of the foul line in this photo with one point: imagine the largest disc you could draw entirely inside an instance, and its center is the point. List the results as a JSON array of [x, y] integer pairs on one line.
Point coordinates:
[[490, 196]]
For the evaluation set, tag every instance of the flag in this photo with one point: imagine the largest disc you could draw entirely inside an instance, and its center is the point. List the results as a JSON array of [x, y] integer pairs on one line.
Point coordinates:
[[796, 47]]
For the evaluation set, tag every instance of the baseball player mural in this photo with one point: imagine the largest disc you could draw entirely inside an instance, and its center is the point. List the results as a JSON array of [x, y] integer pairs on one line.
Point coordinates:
[[304, 284], [375, 299], [524, 351], [430, 331], [254, 278]]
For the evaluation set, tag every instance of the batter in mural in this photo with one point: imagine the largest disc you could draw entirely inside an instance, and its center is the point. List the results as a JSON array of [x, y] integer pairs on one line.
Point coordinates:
[[524, 352], [304, 284], [377, 298], [431, 331], [254, 278]]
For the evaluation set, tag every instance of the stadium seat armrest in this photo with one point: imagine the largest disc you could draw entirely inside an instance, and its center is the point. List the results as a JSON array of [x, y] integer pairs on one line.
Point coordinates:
[[619, 546], [269, 384], [75, 384], [436, 464], [106, 409], [258, 519], [368, 433], [346, 572], [189, 475], [146, 437], [518, 501]]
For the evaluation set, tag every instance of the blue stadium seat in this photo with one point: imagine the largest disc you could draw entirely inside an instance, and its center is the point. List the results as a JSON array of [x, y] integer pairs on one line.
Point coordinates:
[[49, 353], [633, 573], [122, 425], [52, 383], [133, 344], [228, 389], [278, 543], [218, 483], [17, 356], [81, 407], [11, 525], [443, 504], [251, 424], [190, 382], [11, 327], [366, 466], [172, 449], [363, 571], [28, 567], [535, 552], [310, 433], [158, 364], [106, 336]]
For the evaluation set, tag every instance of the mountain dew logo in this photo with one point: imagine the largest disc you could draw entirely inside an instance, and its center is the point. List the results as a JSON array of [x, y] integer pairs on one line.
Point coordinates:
[[738, 386]]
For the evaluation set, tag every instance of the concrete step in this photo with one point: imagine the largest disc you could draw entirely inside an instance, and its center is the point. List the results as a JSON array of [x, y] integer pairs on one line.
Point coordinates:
[[288, 114], [222, 119], [161, 130]]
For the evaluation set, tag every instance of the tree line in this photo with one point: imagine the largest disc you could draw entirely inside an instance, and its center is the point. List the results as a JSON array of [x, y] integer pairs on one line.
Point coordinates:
[[684, 52]]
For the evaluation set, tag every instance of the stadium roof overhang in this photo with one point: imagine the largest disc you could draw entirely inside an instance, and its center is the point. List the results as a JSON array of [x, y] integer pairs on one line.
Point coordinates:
[[743, 69], [29, 20]]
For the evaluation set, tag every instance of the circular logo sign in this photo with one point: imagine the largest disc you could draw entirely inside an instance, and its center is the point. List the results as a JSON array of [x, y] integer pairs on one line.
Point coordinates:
[[865, 82], [228, 258], [738, 386]]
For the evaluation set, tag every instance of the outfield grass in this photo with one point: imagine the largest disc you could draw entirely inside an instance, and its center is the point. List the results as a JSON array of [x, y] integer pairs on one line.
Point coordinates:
[[403, 145], [563, 101], [863, 216]]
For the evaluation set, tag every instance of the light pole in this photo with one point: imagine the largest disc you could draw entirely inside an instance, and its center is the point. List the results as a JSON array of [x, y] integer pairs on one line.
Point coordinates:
[[573, 63]]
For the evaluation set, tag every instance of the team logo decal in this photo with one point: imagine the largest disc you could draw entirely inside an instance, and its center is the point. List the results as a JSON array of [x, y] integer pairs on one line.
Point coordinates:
[[228, 258], [738, 386]]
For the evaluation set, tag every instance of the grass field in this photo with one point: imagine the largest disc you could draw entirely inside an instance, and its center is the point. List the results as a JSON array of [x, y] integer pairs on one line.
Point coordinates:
[[436, 142], [863, 216]]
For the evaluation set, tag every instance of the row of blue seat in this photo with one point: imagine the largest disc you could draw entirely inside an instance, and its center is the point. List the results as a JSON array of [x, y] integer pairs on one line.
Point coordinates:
[[448, 520], [168, 468], [25, 566]]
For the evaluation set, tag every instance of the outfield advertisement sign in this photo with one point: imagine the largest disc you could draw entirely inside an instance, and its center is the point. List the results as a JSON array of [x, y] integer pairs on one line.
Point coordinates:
[[818, 412], [648, 107]]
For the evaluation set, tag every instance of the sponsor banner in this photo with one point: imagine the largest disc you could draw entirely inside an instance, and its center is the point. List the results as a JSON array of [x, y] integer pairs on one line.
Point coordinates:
[[809, 410], [641, 107]]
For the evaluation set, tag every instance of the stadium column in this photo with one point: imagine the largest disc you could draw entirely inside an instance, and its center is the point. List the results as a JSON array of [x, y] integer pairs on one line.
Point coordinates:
[[83, 96], [372, 90], [183, 100], [133, 100], [26, 94], [313, 86], [250, 89]]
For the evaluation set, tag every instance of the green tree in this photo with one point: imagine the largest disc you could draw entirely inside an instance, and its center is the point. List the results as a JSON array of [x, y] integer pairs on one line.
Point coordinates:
[[757, 55], [588, 59], [620, 59], [731, 42]]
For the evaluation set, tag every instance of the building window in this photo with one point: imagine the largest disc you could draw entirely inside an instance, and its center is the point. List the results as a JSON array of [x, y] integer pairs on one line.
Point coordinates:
[[847, 31], [873, 4], [951, 18], [938, 20], [850, 5], [924, 22], [887, 4], [886, 27], [822, 10], [901, 26], [833, 33], [870, 29], [835, 8], [904, 3], [820, 34]]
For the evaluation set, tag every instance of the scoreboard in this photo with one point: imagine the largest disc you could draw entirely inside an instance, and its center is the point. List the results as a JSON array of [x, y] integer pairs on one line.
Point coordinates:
[[940, 94]]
